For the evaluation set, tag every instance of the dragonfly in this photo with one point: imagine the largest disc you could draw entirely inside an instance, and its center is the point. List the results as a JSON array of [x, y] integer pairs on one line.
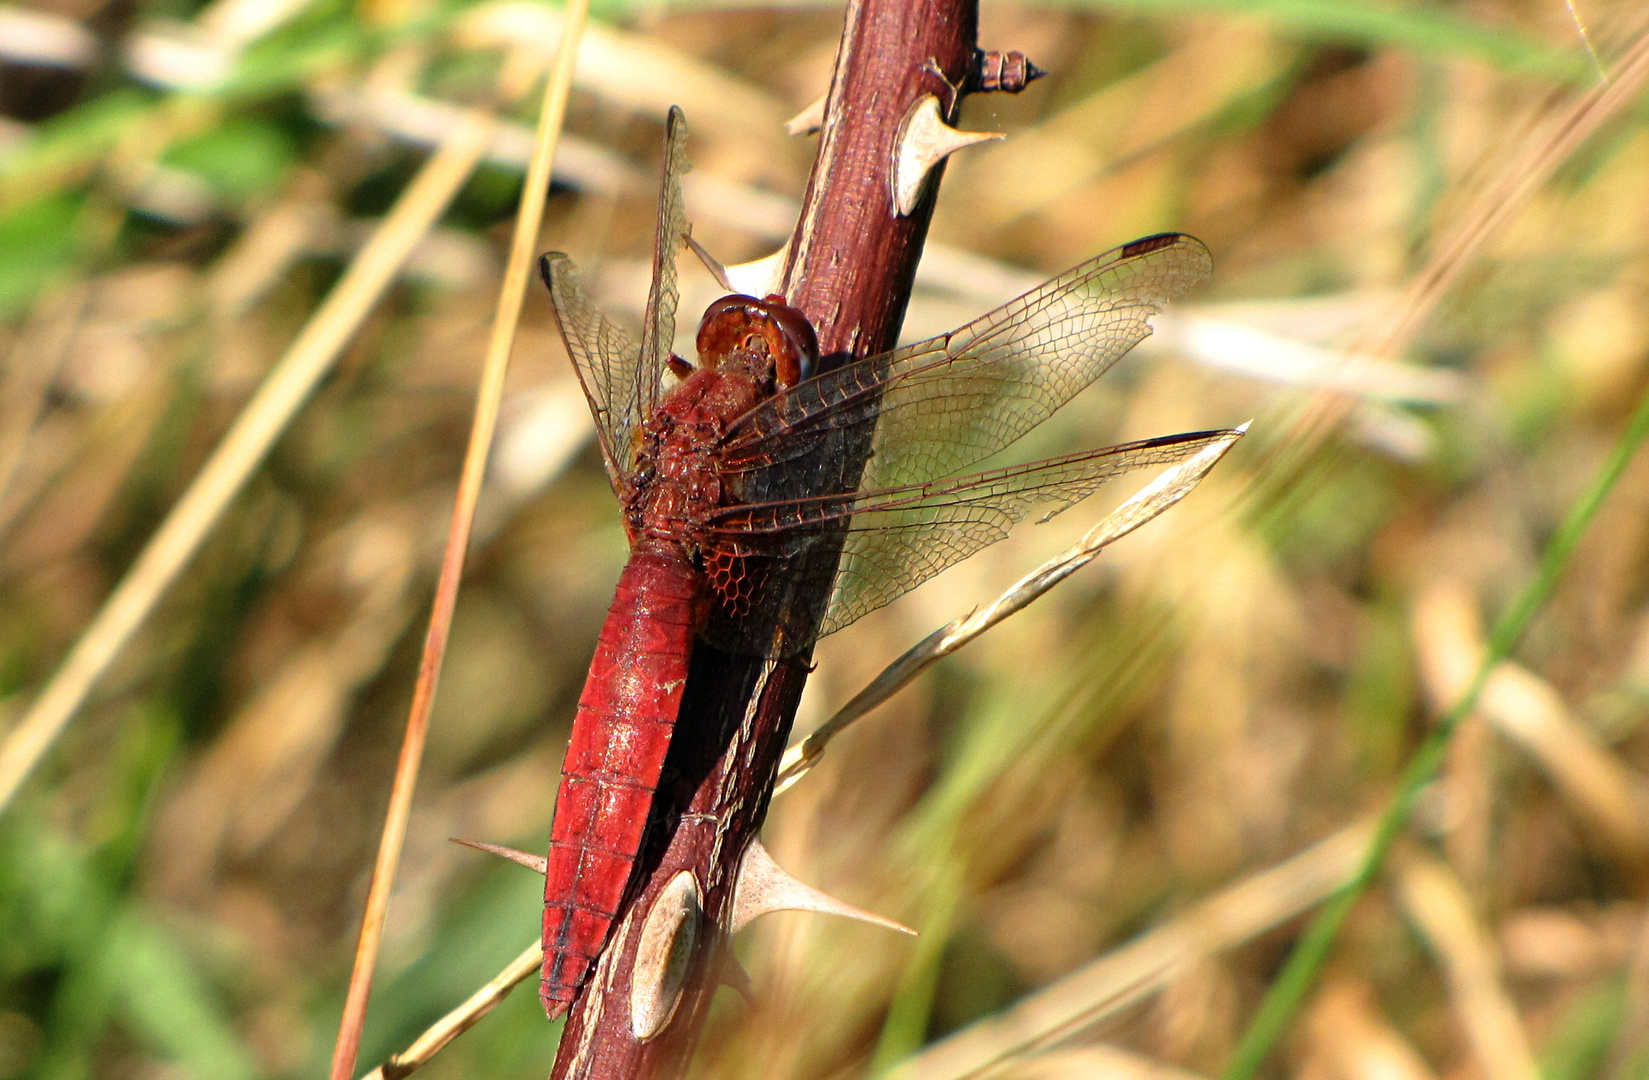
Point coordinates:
[[744, 533]]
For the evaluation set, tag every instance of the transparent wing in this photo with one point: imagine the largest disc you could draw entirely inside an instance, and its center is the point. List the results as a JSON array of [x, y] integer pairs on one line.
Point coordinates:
[[622, 380], [892, 540], [945, 403], [658, 329], [608, 363]]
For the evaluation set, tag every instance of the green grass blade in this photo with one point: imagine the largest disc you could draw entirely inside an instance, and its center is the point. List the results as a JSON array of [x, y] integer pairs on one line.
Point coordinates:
[[911, 1009], [1286, 994], [167, 1004]]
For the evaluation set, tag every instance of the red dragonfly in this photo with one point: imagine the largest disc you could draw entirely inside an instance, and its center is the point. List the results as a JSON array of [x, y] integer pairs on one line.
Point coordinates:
[[707, 469]]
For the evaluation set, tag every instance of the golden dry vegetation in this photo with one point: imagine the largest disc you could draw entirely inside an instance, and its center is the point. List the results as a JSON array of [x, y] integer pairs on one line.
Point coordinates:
[[1431, 233]]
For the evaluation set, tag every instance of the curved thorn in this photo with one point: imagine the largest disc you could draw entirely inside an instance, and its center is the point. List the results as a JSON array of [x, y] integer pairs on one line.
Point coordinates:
[[734, 975], [924, 141], [711, 263], [764, 886]]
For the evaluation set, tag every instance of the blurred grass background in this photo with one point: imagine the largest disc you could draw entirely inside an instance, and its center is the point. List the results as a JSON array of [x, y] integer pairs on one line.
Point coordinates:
[[180, 881]]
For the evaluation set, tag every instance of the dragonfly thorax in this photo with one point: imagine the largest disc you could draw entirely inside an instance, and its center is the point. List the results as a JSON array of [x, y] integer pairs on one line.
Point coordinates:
[[678, 451], [747, 348]]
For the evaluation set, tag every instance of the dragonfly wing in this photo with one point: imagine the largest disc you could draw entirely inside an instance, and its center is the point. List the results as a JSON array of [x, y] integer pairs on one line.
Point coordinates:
[[622, 380], [893, 539], [942, 404], [608, 363], [658, 331]]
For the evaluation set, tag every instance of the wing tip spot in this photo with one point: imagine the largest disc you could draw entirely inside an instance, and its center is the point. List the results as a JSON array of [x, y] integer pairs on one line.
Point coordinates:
[[1147, 244]]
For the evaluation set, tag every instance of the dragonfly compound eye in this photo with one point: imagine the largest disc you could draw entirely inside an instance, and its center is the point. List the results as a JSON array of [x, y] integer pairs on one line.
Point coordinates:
[[724, 327], [739, 321], [801, 343]]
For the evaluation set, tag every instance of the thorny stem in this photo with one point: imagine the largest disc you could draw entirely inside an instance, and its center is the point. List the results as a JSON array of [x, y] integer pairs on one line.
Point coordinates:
[[1288, 991], [849, 270], [1155, 498]]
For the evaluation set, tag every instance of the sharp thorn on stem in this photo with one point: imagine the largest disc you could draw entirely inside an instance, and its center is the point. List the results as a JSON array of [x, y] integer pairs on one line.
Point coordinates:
[[734, 975], [809, 120], [711, 263], [535, 863], [925, 140], [764, 887]]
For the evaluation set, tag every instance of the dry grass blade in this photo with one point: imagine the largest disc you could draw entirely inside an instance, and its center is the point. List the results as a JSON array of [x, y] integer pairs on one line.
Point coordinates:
[[1549, 147], [1544, 149], [1169, 487], [255, 430], [1434, 899], [1345, 1035], [461, 1019], [1603, 790], [528, 220], [1144, 965], [1111, 1062]]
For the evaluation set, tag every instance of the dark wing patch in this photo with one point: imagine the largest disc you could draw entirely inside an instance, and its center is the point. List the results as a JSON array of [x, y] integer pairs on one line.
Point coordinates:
[[893, 539]]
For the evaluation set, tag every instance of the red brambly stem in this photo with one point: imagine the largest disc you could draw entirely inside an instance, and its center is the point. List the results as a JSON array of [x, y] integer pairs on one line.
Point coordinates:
[[850, 269]]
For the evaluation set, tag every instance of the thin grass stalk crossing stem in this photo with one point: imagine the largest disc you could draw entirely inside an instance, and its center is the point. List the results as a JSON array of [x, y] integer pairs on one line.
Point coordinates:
[[461, 1019], [1168, 488], [528, 219], [263, 420], [1285, 995]]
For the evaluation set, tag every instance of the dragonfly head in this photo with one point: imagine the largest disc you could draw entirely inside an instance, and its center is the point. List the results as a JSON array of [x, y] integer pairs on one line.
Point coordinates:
[[741, 323]]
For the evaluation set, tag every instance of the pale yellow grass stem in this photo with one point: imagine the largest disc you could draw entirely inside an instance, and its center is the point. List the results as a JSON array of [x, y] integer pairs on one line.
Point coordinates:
[[1141, 967], [510, 298], [461, 1019], [1165, 490], [1437, 903], [255, 430]]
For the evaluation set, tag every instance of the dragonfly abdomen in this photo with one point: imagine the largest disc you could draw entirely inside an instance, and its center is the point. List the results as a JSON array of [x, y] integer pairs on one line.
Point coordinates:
[[620, 735]]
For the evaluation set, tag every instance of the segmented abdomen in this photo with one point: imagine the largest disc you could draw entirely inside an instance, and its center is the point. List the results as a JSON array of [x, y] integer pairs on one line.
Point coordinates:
[[620, 735]]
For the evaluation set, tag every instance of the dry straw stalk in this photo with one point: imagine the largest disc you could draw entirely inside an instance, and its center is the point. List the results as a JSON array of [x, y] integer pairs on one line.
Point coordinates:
[[530, 217], [294, 377]]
